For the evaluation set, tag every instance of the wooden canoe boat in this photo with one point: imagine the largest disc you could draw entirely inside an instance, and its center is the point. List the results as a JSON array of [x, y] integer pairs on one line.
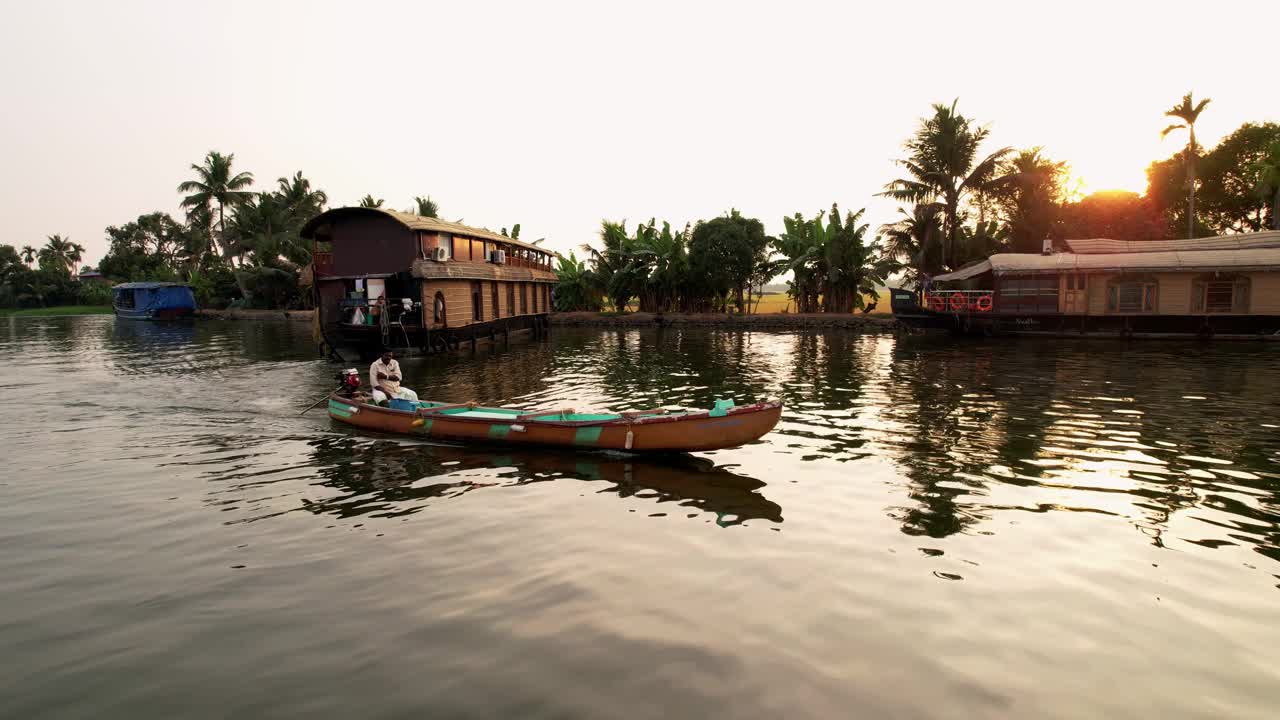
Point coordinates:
[[723, 426]]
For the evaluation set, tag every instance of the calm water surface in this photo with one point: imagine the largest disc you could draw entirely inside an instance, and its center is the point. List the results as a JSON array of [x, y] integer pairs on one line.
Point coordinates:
[[935, 530]]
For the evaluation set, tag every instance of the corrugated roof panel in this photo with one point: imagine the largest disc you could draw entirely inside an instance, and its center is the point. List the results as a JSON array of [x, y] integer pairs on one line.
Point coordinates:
[[1168, 261], [1243, 241]]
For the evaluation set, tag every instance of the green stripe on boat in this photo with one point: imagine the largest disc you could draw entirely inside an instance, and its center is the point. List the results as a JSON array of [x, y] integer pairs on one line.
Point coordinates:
[[426, 426], [499, 431], [587, 436], [340, 409]]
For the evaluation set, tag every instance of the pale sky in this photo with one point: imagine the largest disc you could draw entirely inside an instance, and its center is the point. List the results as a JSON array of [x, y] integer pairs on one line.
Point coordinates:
[[556, 115]]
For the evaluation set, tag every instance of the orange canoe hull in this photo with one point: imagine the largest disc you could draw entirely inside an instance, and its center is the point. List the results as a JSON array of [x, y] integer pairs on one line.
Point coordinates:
[[680, 432]]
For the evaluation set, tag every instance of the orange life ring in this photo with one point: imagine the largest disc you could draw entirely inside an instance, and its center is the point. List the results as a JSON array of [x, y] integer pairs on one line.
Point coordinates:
[[936, 303], [984, 303], [957, 301]]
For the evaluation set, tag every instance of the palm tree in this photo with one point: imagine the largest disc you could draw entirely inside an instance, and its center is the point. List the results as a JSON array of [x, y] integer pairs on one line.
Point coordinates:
[[944, 168], [914, 238], [216, 183], [1188, 113], [1030, 200], [297, 195], [369, 201], [28, 255], [58, 252], [427, 207], [75, 253], [1268, 182]]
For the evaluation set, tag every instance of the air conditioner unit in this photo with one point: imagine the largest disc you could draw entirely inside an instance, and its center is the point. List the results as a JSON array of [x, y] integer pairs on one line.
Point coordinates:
[[498, 257], [440, 254]]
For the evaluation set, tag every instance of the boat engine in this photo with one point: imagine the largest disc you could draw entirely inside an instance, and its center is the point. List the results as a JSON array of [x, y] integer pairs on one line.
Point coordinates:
[[348, 381]]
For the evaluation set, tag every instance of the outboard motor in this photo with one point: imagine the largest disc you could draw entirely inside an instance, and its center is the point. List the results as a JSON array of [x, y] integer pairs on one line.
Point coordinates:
[[348, 381]]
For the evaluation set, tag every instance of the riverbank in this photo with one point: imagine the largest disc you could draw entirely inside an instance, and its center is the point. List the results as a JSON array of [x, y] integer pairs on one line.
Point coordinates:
[[58, 311], [241, 314], [763, 321]]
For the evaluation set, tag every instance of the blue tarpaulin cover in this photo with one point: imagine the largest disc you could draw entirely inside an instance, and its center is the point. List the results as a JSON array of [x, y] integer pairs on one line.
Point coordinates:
[[155, 296]]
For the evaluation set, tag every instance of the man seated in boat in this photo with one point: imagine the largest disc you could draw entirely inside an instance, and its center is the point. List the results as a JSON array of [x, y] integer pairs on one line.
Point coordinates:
[[384, 380]]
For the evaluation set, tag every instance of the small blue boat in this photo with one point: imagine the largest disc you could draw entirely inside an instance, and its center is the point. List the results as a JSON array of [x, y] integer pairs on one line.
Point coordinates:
[[153, 301]]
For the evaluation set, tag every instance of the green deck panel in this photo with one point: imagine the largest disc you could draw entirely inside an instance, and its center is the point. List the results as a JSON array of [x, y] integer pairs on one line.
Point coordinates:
[[578, 417], [587, 436], [485, 414]]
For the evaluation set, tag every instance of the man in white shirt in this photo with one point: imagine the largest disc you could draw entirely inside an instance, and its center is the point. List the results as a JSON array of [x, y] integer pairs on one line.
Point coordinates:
[[384, 378]]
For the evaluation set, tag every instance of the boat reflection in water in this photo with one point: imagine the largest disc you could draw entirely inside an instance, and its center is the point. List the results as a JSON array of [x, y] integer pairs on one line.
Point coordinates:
[[392, 479]]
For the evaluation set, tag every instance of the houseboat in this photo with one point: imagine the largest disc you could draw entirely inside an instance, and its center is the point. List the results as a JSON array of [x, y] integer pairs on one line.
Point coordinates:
[[1227, 287], [153, 301], [386, 279]]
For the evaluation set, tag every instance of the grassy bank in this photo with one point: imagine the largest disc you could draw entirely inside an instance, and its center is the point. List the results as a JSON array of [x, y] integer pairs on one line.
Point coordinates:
[[60, 310]]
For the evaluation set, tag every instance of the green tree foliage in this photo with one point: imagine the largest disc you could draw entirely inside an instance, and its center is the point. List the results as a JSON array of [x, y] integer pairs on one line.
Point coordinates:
[[1029, 201], [515, 232], [944, 166], [576, 289], [1227, 199], [724, 253], [152, 247], [913, 240], [369, 201], [834, 269], [1187, 112], [426, 207], [660, 267], [265, 233], [1266, 171], [28, 255], [11, 263]]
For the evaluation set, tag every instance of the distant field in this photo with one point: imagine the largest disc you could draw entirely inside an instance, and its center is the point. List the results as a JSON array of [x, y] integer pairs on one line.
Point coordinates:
[[62, 310], [779, 302]]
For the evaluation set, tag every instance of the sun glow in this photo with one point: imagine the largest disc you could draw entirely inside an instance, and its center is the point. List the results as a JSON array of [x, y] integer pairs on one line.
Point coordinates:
[[1083, 182]]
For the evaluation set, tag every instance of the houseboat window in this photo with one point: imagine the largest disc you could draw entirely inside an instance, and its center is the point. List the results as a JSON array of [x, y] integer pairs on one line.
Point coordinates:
[[493, 292], [477, 250], [477, 302], [445, 240], [438, 309], [1132, 295], [459, 249], [124, 298], [511, 299], [1028, 294], [1220, 294]]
